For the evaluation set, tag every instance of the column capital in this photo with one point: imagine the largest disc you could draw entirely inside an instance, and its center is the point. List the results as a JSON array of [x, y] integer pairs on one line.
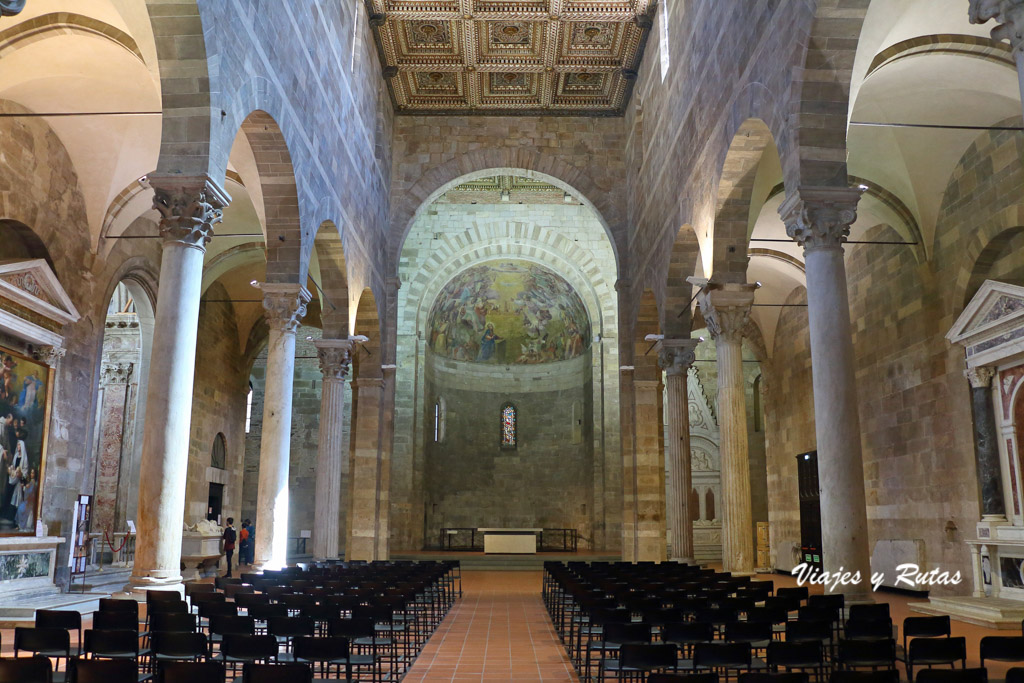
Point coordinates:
[[368, 382], [284, 305], [820, 217], [189, 207], [1009, 15], [677, 355], [335, 356], [49, 355], [116, 373], [980, 377], [725, 306]]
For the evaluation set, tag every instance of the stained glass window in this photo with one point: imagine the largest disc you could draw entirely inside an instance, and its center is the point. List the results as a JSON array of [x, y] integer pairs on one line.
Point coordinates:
[[508, 426]]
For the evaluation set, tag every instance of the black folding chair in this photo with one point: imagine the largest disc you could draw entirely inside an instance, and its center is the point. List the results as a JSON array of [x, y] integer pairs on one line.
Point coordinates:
[[190, 672], [48, 642], [762, 677], [1002, 649], [238, 649], [922, 627], [930, 652], [35, 669], [683, 678], [723, 658], [799, 657], [292, 672], [978, 675], [854, 676], [867, 654], [103, 671], [334, 651], [69, 620], [639, 660]]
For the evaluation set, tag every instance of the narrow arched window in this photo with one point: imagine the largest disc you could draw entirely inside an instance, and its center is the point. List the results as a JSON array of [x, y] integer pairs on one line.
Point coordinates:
[[509, 426], [439, 419], [218, 455]]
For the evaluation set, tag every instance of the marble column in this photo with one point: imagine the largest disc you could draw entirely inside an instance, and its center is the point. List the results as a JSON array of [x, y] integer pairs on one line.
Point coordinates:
[[676, 357], [986, 444], [1009, 17], [819, 220], [364, 471], [334, 355], [726, 309], [284, 306], [189, 208]]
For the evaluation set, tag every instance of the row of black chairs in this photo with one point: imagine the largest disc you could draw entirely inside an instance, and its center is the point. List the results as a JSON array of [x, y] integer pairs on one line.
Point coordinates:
[[684, 618], [39, 669], [368, 627]]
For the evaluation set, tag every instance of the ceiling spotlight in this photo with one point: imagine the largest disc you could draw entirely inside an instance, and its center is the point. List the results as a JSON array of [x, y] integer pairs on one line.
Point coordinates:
[[255, 283], [807, 456], [758, 285], [359, 338], [309, 337], [700, 339], [862, 187]]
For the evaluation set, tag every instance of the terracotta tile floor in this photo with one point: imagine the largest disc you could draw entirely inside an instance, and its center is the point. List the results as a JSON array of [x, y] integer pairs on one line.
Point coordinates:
[[499, 631]]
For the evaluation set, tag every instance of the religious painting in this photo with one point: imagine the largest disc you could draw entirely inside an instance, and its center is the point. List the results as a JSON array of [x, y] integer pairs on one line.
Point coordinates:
[[1011, 570], [508, 312], [24, 417]]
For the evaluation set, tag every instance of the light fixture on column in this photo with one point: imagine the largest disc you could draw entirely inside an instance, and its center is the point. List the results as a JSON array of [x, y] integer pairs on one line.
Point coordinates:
[[254, 283], [758, 284], [359, 338], [654, 337]]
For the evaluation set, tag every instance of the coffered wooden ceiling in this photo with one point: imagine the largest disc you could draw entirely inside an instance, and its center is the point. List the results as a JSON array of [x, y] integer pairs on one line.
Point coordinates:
[[511, 57]]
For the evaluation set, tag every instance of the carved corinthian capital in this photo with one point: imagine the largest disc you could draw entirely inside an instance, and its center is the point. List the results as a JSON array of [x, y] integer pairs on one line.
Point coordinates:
[[117, 373], [726, 308], [284, 305], [980, 377], [335, 356], [8, 8], [189, 207], [1009, 15], [50, 355], [677, 355], [820, 217]]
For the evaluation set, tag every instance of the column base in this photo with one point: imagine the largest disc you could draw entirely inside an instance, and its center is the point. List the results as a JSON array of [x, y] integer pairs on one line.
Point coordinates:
[[683, 560], [138, 586]]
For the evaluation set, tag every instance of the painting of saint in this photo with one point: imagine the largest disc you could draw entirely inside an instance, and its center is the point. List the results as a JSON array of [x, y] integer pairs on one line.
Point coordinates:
[[24, 413], [506, 312]]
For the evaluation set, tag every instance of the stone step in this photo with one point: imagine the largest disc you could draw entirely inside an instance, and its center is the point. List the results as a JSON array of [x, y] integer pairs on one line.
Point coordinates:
[[22, 612], [998, 613]]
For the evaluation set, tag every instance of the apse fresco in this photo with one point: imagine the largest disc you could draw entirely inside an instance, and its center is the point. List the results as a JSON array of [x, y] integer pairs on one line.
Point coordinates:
[[506, 312]]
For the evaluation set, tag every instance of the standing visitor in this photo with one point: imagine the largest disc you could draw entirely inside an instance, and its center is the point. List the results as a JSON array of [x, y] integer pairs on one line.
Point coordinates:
[[245, 543], [229, 543]]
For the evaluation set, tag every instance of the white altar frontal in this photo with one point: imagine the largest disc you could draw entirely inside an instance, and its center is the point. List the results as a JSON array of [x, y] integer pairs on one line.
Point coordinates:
[[510, 541]]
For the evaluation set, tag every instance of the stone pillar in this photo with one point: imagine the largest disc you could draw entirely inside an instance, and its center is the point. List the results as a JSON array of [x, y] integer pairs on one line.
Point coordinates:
[[364, 471], [627, 426], [986, 444], [676, 357], [726, 309], [189, 208], [1009, 15], [978, 582], [335, 356], [649, 470], [819, 220], [284, 306], [115, 378]]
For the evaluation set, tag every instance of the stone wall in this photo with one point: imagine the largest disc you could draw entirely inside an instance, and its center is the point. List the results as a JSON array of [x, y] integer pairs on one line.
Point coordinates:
[[545, 481], [218, 407]]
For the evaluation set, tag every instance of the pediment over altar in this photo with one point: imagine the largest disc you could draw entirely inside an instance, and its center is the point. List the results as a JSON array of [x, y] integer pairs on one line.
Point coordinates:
[[991, 327], [33, 304]]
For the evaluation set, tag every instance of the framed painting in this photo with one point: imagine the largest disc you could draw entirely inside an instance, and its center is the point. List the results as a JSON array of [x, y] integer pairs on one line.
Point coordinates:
[[25, 398]]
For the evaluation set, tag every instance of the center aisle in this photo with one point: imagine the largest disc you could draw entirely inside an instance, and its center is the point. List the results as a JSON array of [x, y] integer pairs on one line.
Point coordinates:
[[498, 631]]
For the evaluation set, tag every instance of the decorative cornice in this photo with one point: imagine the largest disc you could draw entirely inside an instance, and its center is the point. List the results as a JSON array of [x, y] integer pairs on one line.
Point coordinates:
[[1009, 15], [189, 207], [980, 377], [677, 355], [284, 305], [820, 217], [726, 307], [8, 8], [335, 356]]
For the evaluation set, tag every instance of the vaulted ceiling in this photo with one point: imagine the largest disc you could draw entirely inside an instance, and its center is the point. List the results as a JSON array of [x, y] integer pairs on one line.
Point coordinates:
[[507, 57]]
